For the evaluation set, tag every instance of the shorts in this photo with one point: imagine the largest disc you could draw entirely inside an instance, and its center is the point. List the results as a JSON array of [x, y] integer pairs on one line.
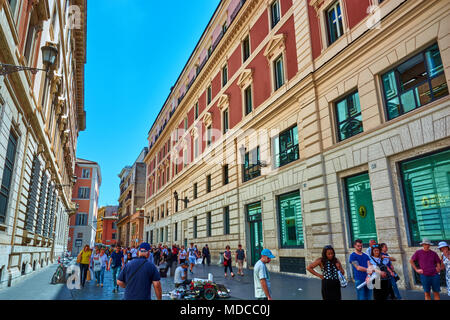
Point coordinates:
[[240, 263], [192, 260], [431, 282]]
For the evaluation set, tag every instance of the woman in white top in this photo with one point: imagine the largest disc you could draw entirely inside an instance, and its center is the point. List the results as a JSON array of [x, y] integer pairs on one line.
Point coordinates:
[[100, 262], [445, 262]]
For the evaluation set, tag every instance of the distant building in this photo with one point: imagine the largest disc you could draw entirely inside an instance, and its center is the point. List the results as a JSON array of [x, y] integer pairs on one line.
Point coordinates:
[[131, 201], [106, 225], [83, 224]]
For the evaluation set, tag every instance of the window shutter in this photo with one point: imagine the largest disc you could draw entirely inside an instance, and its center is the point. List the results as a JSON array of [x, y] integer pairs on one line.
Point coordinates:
[[40, 216], [33, 194]]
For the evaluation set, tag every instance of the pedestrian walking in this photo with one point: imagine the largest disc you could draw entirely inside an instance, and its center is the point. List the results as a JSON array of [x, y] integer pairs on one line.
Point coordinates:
[[240, 257], [330, 265], [359, 262], [377, 261], [156, 256], [206, 255], [182, 254], [193, 255], [84, 259], [125, 254], [116, 263], [227, 261], [394, 292], [261, 277], [429, 269], [129, 258], [138, 276], [180, 277], [445, 262]]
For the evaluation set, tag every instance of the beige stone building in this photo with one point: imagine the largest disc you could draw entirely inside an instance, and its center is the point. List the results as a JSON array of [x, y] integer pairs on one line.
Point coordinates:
[[41, 114], [298, 124]]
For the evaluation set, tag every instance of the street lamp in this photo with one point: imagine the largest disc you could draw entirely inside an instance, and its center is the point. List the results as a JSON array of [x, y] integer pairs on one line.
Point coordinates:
[[49, 54], [74, 180], [185, 200]]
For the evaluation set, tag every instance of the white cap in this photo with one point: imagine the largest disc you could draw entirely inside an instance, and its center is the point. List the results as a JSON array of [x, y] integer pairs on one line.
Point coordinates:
[[442, 244]]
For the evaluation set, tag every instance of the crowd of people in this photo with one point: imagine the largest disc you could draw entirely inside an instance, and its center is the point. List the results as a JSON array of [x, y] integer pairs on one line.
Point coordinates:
[[373, 270]]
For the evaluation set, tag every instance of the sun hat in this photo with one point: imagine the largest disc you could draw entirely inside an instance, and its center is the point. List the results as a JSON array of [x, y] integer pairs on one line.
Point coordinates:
[[267, 253], [442, 244], [426, 241], [144, 247]]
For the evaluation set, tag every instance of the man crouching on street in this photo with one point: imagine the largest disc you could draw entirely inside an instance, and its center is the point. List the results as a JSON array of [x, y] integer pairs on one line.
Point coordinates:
[[138, 276]]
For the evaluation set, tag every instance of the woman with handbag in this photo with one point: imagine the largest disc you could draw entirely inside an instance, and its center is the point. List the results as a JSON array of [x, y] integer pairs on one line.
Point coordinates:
[[331, 280], [84, 259], [394, 293], [376, 260], [227, 261]]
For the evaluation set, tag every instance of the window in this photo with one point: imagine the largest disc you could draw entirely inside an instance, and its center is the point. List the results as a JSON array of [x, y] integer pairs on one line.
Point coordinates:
[[225, 174], [151, 236], [360, 208], [114, 236], [185, 157], [208, 135], [348, 116], [83, 193], [274, 13], [29, 44], [334, 22], [85, 173], [414, 83], [225, 121], [147, 236], [226, 220], [81, 219], [196, 111], [7, 175], [176, 232], [291, 222], [208, 95], [195, 190], [195, 228], [286, 147], [426, 188], [13, 4], [196, 150], [246, 49], [79, 235], [167, 234], [208, 224], [278, 72], [252, 165], [248, 100], [208, 183], [224, 75], [162, 235]]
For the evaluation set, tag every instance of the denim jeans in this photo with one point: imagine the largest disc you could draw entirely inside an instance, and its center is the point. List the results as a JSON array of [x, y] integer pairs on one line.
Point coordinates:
[[395, 288], [115, 274], [364, 293], [100, 275]]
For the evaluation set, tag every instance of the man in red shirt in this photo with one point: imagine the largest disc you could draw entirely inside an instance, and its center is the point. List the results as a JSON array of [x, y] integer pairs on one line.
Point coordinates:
[[430, 267]]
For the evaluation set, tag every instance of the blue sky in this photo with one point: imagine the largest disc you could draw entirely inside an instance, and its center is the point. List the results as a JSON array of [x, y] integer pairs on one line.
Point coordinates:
[[136, 49]]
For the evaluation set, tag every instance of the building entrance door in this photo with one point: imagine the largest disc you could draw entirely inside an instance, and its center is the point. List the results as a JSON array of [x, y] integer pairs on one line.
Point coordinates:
[[256, 231]]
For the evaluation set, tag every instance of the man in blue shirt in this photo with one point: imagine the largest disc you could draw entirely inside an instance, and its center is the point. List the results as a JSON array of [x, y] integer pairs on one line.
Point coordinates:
[[359, 260], [116, 262], [138, 276]]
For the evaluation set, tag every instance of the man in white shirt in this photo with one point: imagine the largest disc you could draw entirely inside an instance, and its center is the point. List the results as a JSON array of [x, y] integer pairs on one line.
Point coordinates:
[[261, 276], [180, 277]]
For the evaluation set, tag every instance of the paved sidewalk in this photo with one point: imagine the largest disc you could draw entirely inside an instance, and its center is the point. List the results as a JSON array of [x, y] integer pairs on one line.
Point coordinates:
[[284, 287], [37, 287]]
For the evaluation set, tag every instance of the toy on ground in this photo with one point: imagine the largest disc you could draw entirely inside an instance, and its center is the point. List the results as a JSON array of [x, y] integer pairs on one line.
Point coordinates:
[[200, 289]]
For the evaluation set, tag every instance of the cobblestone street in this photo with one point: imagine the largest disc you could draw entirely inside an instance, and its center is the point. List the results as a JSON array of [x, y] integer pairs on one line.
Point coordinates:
[[284, 287]]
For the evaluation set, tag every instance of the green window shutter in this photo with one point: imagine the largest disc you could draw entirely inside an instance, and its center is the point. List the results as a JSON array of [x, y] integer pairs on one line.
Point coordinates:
[[291, 221], [226, 220], [426, 183], [360, 208], [33, 195]]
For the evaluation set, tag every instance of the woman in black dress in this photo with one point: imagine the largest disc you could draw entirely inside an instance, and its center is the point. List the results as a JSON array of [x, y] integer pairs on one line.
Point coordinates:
[[330, 265]]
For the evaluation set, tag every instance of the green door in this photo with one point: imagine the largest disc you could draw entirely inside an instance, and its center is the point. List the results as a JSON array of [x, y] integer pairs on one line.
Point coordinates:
[[256, 233], [360, 208]]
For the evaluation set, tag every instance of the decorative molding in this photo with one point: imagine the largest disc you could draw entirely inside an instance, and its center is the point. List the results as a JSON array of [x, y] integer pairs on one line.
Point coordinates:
[[245, 78], [207, 118], [275, 46], [223, 102], [194, 132]]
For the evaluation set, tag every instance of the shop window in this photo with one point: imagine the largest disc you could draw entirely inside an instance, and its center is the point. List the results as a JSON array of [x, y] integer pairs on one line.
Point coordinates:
[[426, 186], [291, 222]]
